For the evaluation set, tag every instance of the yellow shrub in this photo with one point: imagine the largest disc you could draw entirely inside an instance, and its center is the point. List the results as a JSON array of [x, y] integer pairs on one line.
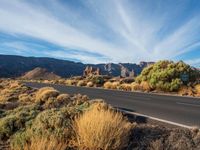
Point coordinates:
[[15, 84], [81, 83], [63, 97], [184, 90], [111, 85], [197, 88], [145, 86], [70, 82], [135, 86], [45, 93], [126, 87], [115, 85], [102, 128], [108, 85], [25, 98], [45, 144], [61, 81], [90, 84], [46, 81]]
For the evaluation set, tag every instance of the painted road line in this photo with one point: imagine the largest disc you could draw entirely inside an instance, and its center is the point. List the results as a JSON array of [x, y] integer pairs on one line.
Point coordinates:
[[157, 119]]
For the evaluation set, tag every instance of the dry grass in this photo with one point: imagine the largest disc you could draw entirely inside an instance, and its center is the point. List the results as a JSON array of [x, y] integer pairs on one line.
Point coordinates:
[[145, 86], [112, 85], [115, 85], [156, 145], [44, 144], [63, 97], [197, 88], [102, 128], [10, 90], [125, 87], [135, 86], [81, 83], [184, 90], [25, 97], [44, 93], [70, 82], [90, 84], [108, 85]]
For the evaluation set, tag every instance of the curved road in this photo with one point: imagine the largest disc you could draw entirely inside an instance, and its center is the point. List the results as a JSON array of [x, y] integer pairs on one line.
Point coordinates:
[[182, 110]]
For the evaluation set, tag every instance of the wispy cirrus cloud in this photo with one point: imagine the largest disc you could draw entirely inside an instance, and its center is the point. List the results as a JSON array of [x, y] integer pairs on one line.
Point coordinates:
[[105, 31]]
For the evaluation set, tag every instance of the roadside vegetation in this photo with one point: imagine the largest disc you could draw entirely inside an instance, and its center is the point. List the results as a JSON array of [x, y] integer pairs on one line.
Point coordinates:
[[45, 119], [164, 76]]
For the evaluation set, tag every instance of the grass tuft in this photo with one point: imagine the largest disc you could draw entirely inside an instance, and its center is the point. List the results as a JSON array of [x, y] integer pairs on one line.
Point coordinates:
[[102, 128]]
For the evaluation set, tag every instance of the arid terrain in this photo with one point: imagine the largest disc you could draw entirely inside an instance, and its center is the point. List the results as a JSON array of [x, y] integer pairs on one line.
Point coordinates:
[[163, 77], [99, 74], [44, 118]]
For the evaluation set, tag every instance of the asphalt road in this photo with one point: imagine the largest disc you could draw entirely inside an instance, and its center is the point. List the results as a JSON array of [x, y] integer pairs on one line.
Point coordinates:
[[182, 110]]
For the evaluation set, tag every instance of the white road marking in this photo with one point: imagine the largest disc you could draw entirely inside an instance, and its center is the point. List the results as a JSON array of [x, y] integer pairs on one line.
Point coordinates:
[[157, 119], [188, 104]]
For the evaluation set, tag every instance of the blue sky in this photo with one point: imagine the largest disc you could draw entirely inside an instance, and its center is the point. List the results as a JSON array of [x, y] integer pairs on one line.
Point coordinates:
[[101, 31]]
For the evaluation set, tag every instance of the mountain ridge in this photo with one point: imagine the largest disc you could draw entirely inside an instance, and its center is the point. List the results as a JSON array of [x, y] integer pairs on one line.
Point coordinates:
[[15, 66]]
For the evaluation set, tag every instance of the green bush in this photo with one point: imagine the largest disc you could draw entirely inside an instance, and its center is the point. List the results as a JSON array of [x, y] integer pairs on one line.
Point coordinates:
[[98, 80], [56, 122], [166, 75], [17, 119]]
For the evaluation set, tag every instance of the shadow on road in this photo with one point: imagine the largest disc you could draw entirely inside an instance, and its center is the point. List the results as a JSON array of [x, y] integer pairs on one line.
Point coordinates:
[[132, 117]]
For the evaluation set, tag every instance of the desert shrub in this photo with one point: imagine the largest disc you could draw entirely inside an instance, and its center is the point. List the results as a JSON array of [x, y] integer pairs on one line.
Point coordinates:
[[45, 93], [157, 145], [112, 85], [166, 75], [135, 86], [70, 82], [108, 85], [102, 128], [44, 143], [178, 139], [97, 80], [185, 90], [81, 83], [115, 85], [60, 81], [125, 86], [90, 84], [55, 122], [15, 84], [63, 98], [197, 88], [79, 100], [145, 86], [26, 97], [11, 90], [17, 119]]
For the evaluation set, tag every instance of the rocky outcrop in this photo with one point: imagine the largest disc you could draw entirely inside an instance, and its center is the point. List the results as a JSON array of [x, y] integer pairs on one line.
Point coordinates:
[[125, 72], [89, 71], [145, 64]]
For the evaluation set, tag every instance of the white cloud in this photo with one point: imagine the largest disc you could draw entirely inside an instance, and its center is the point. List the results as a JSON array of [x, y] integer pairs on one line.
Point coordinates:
[[76, 56], [26, 20], [194, 62], [131, 35], [16, 45]]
